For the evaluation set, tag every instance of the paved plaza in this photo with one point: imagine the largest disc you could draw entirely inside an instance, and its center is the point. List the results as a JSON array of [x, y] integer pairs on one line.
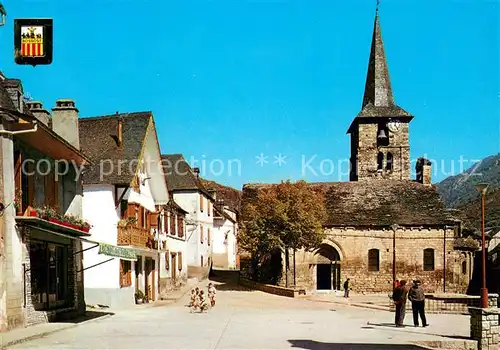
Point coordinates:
[[244, 319]]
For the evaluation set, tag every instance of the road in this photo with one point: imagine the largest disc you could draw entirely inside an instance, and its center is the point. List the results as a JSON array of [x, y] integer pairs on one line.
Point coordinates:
[[245, 319]]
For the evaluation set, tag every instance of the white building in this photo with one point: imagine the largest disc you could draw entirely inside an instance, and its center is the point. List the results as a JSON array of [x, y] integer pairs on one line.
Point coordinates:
[[189, 193], [122, 191], [224, 244]]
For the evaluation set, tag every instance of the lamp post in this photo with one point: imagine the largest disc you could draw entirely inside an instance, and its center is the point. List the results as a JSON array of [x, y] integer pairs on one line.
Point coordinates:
[[482, 188], [394, 228]]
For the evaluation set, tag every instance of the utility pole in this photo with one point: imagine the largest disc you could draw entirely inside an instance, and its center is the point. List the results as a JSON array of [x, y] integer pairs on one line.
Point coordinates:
[[394, 228], [482, 188]]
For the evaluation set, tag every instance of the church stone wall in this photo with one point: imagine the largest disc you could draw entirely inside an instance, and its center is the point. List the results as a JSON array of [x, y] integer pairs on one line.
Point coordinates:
[[353, 246]]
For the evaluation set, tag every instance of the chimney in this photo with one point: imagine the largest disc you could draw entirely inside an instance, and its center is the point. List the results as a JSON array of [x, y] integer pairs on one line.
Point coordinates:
[[65, 121], [423, 171], [197, 172], [36, 108], [119, 132]]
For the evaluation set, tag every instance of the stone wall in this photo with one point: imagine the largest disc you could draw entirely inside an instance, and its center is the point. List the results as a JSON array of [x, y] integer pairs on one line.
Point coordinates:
[[167, 285], [484, 327], [200, 272], [268, 288], [353, 245], [367, 151]]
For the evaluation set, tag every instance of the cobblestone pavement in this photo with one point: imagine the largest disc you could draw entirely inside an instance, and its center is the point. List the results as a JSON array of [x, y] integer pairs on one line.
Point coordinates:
[[245, 319]]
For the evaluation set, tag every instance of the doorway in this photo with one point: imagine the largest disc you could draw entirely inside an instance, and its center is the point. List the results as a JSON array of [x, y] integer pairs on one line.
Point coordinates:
[[323, 276], [147, 272], [328, 268], [174, 267]]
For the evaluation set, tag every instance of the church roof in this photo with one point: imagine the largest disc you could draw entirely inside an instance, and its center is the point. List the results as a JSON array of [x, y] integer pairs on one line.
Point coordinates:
[[378, 99], [375, 203]]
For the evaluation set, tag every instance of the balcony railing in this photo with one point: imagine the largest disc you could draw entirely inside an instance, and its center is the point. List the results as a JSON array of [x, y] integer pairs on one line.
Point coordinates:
[[135, 236]]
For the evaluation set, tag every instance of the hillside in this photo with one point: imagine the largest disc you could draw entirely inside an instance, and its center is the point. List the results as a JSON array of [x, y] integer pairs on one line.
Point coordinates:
[[231, 196], [470, 212], [458, 190]]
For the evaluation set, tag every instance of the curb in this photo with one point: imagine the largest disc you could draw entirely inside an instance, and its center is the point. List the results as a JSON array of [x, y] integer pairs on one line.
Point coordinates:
[[46, 333], [363, 306]]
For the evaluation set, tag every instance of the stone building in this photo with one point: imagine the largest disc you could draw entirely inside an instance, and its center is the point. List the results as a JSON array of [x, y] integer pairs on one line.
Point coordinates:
[[41, 275], [382, 226]]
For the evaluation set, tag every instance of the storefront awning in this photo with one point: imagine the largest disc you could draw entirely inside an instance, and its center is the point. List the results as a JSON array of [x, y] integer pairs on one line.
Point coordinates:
[[117, 252]]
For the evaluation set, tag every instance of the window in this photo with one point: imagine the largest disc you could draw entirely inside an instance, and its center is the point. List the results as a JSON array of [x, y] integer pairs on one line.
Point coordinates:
[[429, 259], [382, 135], [201, 260], [123, 209], [201, 234], [380, 161], [125, 273], [389, 161], [373, 260], [464, 267]]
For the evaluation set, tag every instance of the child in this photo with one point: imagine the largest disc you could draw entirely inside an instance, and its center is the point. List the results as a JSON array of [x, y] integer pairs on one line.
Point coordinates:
[[211, 294], [193, 298], [203, 306]]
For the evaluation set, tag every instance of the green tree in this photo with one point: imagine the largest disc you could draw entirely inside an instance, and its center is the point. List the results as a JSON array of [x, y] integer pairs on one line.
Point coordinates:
[[287, 216]]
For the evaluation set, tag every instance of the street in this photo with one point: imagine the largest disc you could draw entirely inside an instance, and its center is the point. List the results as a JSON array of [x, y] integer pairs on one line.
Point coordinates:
[[245, 319]]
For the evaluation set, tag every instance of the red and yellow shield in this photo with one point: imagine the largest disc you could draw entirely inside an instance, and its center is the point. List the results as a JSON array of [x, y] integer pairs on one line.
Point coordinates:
[[32, 41]]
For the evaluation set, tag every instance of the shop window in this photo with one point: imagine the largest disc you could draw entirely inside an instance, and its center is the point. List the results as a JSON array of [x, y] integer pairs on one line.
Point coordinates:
[[125, 273]]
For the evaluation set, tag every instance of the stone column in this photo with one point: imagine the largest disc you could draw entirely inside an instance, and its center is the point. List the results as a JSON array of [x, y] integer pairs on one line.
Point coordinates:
[[484, 327]]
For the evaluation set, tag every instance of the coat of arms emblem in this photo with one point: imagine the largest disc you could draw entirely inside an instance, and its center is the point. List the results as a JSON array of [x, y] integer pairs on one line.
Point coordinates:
[[33, 41]]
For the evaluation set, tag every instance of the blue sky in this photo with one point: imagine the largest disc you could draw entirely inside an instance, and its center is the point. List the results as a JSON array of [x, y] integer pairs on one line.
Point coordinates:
[[229, 80]]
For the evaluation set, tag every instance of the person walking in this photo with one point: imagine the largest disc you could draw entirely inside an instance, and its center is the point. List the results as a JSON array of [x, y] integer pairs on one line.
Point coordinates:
[[346, 288], [417, 298], [399, 296]]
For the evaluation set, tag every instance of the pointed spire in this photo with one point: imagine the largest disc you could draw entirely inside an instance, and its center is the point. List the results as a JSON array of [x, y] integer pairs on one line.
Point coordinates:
[[378, 89]]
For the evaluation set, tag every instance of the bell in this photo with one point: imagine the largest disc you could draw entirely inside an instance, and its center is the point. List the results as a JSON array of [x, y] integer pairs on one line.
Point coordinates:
[[381, 134]]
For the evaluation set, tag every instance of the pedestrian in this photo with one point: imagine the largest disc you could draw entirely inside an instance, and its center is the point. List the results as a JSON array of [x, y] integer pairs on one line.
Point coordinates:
[[211, 294], [399, 296], [346, 288], [417, 298]]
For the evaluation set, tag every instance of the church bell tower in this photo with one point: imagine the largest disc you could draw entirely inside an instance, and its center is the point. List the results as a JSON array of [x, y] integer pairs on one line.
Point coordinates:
[[379, 133]]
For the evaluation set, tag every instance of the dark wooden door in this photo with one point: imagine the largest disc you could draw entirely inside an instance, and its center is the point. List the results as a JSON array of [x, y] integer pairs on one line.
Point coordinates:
[[324, 276]]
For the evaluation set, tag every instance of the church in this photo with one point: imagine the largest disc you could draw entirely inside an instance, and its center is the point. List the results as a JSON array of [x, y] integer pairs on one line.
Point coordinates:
[[382, 226]]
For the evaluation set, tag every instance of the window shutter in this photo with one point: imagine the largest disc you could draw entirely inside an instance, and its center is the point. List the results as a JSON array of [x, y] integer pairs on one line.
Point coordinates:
[[208, 236], [121, 273], [201, 234], [180, 226], [147, 214], [179, 255], [208, 208], [167, 260], [131, 210], [172, 223], [153, 221], [201, 202]]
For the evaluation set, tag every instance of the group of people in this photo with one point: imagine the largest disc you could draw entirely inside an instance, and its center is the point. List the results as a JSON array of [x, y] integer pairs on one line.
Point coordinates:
[[403, 292], [198, 300]]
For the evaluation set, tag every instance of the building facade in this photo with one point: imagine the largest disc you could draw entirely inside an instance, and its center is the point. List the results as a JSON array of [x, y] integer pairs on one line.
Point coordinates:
[[123, 192], [382, 226], [188, 192], [41, 229], [224, 241]]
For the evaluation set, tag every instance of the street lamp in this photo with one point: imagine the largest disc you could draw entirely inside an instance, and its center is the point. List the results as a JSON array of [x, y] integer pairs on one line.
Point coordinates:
[[394, 228], [3, 13], [482, 188]]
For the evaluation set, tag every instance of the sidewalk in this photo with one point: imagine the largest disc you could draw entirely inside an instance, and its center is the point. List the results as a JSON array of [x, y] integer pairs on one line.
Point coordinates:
[[21, 335], [369, 301]]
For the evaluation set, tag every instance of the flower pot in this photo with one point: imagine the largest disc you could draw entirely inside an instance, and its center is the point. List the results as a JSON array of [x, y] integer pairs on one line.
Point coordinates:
[[138, 301], [54, 221], [86, 229], [32, 213]]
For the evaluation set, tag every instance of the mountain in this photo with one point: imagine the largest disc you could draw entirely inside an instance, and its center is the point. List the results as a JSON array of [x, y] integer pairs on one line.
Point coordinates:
[[231, 196], [458, 190]]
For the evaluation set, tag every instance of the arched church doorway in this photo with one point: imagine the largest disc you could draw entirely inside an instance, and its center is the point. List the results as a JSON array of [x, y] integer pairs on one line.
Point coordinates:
[[328, 268]]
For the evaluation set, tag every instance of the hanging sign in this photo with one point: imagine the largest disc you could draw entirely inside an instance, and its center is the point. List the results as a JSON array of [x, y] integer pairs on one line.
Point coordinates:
[[33, 41]]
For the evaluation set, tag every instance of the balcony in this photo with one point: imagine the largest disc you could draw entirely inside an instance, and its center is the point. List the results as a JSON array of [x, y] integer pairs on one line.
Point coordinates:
[[135, 236]]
